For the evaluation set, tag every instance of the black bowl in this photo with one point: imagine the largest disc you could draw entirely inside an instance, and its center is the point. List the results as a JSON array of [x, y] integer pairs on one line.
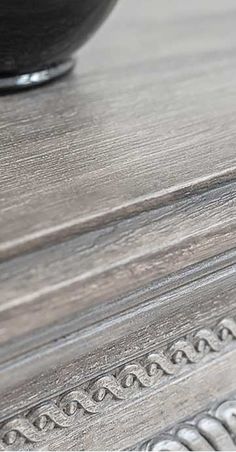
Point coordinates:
[[37, 37]]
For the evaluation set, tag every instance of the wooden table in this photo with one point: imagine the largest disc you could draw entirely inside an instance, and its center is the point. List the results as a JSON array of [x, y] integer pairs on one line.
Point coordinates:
[[117, 240]]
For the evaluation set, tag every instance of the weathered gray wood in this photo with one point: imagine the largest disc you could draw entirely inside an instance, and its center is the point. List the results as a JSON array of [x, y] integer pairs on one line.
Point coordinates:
[[86, 275], [134, 418], [76, 358], [115, 139], [211, 430], [151, 95], [144, 416], [117, 233]]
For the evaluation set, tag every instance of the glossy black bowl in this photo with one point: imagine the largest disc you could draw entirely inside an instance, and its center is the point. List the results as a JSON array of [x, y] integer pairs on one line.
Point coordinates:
[[38, 37]]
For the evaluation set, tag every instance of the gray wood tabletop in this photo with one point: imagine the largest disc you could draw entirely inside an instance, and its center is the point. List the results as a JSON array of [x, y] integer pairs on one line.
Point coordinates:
[[149, 112]]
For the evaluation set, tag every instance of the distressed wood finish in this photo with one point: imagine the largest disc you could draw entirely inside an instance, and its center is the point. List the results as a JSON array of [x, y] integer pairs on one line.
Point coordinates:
[[114, 138], [83, 355], [118, 240], [63, 414], [85, 275], [214, 429]]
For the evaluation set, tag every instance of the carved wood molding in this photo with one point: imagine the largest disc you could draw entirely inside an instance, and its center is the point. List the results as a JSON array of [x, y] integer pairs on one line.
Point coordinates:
[[212, 430], [64, 411]]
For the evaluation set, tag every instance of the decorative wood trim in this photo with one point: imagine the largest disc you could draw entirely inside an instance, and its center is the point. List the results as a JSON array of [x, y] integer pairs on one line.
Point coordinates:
[[65, 410], [212, 430]]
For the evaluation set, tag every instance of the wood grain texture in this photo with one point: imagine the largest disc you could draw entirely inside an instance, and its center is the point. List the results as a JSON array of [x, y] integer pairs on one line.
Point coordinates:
[[150, 95], [119, 385], [187, 395], [86, 276], [68, 411], [121, 174], [118, 225], [139, 418], [75, 358]]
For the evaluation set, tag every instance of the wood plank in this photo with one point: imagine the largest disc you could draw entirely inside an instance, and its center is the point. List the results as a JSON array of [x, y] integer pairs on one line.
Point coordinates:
[[69, 286], [76, 358], [145, 116]]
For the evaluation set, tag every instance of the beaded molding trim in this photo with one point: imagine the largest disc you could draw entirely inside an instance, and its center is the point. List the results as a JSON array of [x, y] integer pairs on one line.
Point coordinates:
[[64, 411], [211, 430]]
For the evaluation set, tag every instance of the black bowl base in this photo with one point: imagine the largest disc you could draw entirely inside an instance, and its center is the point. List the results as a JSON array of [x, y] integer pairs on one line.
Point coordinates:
[[23, 81]]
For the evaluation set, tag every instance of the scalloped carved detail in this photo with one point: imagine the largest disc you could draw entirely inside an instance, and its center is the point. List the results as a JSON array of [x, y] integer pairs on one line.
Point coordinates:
[[34, 426], [212, 430]]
